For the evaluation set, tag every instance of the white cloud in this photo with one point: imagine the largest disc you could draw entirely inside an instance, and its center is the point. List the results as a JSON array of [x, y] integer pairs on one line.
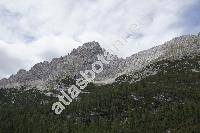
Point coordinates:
[[33, 30]]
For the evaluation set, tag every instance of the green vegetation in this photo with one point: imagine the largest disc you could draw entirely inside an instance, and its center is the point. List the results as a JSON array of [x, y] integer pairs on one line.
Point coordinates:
[[168, 101]]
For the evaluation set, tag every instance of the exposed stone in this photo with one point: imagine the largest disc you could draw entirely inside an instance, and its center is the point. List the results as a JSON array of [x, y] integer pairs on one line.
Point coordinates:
[[80, 59]]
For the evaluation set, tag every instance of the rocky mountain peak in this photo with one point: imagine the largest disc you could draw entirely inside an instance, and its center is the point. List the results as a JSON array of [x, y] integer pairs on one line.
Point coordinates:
[[81, 59], [91, 45], [87, 49]]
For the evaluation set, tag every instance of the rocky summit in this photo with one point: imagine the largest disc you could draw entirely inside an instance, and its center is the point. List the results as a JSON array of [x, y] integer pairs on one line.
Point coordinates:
[[80, 59]]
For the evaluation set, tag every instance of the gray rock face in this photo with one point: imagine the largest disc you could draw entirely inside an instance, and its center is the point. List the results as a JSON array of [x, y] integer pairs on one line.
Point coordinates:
[[176, 48], [78, 60], [81, 59]]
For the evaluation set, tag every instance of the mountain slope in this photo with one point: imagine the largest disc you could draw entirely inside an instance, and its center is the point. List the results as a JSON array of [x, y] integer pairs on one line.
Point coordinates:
[[80, 59], [167, 101]]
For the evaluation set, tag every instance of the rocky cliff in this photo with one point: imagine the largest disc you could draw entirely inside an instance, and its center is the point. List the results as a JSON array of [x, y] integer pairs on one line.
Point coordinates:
[[80, 59]]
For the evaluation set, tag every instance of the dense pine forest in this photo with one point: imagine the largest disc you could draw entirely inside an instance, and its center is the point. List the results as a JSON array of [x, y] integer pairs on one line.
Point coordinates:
[[167, 101]]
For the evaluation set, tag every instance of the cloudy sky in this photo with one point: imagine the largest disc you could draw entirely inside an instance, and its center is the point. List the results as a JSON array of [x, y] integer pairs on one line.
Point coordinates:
[[36, 30]]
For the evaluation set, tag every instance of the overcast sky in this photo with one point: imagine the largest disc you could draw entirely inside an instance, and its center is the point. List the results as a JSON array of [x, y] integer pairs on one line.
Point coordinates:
[[36, 30]]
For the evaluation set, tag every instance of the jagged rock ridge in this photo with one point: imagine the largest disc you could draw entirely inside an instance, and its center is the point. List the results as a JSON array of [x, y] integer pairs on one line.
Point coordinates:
[[80, 59]]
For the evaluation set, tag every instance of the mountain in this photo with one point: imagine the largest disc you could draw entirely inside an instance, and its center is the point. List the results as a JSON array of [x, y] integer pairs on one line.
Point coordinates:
[[45, 73], [161, 97]]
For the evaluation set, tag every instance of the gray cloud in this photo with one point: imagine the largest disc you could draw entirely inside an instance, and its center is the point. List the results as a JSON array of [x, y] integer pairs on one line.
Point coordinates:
[[8, 64]]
